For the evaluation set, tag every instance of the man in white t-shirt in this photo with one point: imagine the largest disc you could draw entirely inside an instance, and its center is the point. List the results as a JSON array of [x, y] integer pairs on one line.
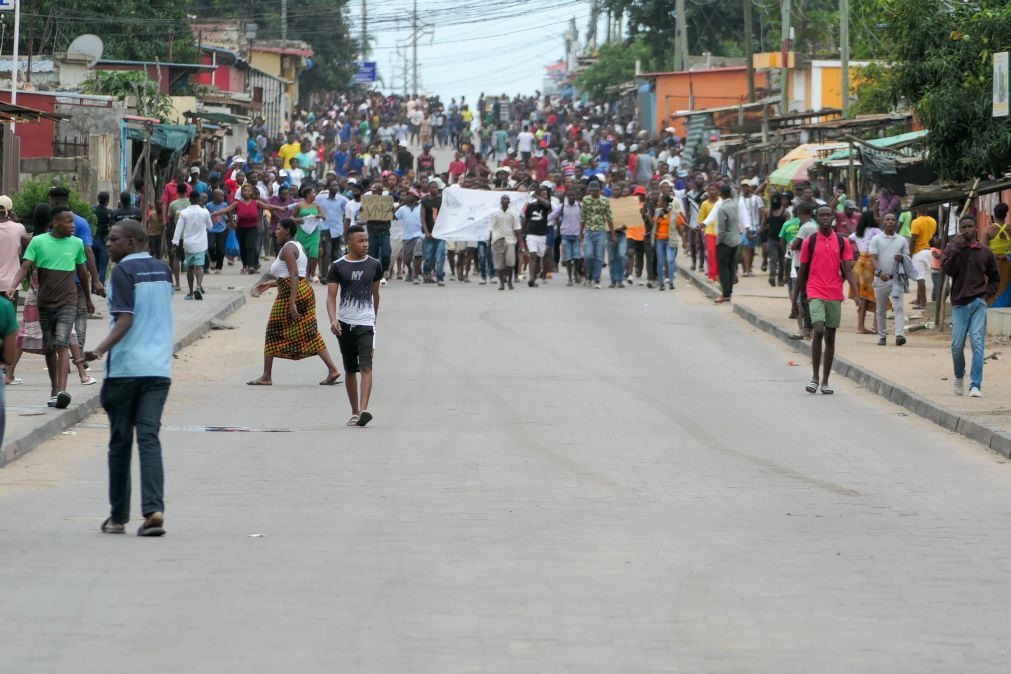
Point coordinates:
[[750, 212], [525, 143]]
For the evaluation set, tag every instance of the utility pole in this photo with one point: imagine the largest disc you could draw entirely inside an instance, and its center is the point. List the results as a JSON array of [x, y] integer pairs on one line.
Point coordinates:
[[749, 51], [404, 69], [365, 31], [284, 19], [784, 105], [681, 37], [844, 52], [414, 49]]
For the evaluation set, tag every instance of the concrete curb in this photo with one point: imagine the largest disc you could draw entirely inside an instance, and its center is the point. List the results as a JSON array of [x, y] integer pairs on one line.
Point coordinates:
[[15, 448], [991, 438]]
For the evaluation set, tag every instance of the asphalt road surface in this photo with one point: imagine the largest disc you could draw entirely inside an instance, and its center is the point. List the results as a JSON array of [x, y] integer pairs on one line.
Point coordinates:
[[556, 480]]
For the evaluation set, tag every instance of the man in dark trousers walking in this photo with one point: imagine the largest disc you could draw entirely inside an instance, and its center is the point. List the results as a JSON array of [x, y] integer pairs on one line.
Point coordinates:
[[138, 374]]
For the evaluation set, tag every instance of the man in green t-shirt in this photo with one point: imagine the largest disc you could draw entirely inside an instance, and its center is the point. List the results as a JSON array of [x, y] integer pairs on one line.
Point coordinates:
[[9, 335], [58, 255]]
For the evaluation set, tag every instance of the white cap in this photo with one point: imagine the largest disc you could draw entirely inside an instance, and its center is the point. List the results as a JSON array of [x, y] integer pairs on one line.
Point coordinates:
[[237, 159], [6, 203]]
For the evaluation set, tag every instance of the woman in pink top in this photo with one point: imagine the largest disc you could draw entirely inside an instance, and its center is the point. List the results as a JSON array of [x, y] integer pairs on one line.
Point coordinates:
[[248, 210]]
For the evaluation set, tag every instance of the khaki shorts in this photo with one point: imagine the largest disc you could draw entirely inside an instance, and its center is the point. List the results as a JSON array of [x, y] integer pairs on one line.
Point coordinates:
[[503, 254], [828, 312]]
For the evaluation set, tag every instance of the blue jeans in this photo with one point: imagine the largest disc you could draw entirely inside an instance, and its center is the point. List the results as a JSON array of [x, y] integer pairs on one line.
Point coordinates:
[[617, 252], [570, 247], [485, 262], [596, 244], [135, 405], [969, 319], [434, 253], [101, 258], [666, 254], [379, 248]]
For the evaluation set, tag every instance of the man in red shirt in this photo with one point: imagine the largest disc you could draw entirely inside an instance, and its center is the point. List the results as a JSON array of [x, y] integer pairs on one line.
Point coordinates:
[[457, 167], [846, 220], [826, 258], [171, 193]]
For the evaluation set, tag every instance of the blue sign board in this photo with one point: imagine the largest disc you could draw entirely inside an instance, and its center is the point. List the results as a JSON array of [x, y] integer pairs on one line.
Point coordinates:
[[366, 73]]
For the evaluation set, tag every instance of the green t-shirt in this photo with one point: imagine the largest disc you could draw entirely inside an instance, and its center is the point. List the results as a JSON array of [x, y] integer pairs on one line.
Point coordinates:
[[8, 320], [789, 230], [905, 220], [57, 261]]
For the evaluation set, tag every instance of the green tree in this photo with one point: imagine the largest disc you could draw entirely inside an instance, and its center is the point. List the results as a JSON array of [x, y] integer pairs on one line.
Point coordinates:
[[941, 63], [615, 65], [35, 192], [122, 83], [134, 30]]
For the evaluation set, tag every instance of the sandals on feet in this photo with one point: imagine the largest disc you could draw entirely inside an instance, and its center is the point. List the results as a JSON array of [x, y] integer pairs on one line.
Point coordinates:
[[812, 387], [330, 381], [154, 525], [110, 527], [364, 419], [257, 382], [353, 421], [826, 390]]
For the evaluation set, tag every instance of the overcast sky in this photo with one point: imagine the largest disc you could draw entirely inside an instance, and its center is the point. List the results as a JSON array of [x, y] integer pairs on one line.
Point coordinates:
[[472, 47]]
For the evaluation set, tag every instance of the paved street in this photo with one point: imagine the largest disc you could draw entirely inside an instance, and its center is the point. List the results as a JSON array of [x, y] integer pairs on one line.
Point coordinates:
[[557, 480]]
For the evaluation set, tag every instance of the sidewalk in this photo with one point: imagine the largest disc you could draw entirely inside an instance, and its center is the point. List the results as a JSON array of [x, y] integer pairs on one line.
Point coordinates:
[[30, 422], [917, 376]]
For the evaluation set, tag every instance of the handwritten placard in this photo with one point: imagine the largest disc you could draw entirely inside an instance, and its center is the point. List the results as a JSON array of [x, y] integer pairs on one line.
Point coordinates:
[[376, 208]]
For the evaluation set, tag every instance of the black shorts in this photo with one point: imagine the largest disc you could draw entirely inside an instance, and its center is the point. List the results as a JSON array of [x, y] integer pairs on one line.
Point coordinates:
[[356, 343]]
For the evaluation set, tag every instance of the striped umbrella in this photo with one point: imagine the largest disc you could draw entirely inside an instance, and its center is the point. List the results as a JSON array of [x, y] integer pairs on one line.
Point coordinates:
[[791, 173]]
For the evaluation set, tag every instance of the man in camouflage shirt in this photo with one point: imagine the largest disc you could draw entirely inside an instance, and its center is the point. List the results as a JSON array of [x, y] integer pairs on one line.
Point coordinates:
[[596, 228]]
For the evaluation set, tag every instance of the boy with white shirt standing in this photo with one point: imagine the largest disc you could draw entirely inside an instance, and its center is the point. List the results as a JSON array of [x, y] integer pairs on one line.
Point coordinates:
[[192, 225]]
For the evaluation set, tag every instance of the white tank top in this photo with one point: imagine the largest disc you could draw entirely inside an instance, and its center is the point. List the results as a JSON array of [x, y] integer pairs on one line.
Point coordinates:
[[279, 267]]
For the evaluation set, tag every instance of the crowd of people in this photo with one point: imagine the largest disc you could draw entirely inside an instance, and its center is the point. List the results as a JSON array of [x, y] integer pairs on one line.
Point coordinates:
[[349, 194]]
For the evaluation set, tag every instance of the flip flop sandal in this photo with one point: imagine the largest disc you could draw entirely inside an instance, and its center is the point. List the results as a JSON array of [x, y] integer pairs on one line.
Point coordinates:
[[89, 381], [110, 527], [152, 528], [364, 419], [826, 390], [17, 381], [331, 381], [257, 382], [353, 421], [812, 387]]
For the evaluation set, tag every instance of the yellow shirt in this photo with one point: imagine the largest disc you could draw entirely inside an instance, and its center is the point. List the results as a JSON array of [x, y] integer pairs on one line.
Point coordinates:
[[288, 151], [704, 210], [467, 116], [922, 230]]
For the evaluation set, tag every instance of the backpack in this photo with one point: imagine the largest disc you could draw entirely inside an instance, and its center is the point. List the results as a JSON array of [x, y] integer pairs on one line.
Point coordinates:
[[811, 247]]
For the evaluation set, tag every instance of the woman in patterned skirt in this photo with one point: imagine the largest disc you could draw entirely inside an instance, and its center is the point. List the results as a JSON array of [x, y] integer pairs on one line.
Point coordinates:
[[292, 332]]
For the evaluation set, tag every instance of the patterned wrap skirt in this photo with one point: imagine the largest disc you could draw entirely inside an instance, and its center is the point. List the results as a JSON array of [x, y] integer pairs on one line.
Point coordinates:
[[290, 339], [863, 269]]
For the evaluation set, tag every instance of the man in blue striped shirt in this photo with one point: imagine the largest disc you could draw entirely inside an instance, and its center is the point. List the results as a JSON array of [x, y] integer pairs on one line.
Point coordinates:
[[138, 374]]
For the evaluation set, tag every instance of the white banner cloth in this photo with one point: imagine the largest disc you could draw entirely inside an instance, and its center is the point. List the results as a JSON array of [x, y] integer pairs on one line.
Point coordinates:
[[466, 215]]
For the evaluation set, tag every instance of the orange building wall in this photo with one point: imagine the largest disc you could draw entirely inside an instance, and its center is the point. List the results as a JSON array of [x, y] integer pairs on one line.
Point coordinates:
[[711, 89]]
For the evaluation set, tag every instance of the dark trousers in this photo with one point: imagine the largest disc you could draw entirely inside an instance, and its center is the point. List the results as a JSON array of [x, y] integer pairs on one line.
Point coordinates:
[[726, 260], [101, 257], [135, 405], [216, 249], [248, 249], [776, 266], [379, 248], [697, 246]]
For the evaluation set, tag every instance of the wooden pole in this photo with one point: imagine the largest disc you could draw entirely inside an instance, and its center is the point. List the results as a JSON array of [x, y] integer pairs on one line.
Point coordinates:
[[749, 51], [939, 309]]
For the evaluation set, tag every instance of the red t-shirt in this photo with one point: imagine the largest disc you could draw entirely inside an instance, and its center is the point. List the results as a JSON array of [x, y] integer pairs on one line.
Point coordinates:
[[824, 277], [170, 193], [457, 168], [845, 224]]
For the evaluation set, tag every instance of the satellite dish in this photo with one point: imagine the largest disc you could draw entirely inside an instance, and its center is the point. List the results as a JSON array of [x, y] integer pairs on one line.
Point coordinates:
[[87, 48]]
